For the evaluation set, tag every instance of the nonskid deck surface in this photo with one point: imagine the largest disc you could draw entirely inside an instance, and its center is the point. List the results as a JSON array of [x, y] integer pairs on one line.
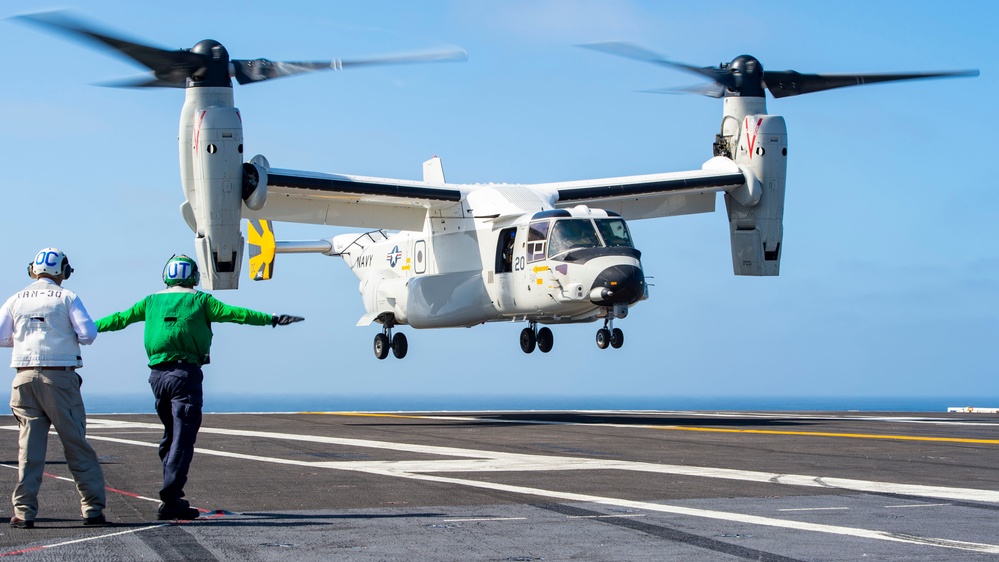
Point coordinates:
[[581, 485]]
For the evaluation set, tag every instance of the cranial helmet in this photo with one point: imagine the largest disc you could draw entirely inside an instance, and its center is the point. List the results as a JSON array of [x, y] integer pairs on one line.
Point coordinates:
[[50, 261], [181, 270]]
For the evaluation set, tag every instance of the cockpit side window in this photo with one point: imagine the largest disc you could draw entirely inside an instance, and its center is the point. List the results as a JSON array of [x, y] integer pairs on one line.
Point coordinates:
[[537, 234], [571, 234], [614, 232]]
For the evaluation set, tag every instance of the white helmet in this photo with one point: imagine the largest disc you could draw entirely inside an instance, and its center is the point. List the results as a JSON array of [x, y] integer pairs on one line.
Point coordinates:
[[50, 261]]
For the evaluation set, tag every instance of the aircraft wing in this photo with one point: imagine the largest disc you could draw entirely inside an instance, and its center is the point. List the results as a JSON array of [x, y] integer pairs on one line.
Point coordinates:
[[356, 201], [653, 195]]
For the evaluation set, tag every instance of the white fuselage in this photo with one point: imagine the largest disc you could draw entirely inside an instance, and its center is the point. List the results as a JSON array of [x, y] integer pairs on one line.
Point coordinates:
[[464, 271]]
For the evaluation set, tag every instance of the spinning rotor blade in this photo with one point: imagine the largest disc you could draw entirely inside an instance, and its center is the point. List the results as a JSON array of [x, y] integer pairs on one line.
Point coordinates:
[[790, 83], [630, 51], [744, 76], [256, 70], [712, 90], [208, 62], [170, 68]]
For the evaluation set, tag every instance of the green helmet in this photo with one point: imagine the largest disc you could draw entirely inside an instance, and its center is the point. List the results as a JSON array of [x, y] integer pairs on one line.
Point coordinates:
[[181, 270]]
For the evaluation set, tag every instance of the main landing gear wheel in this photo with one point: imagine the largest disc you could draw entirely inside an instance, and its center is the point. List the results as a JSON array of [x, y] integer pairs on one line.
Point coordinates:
[[532, 338], [546, 340], [527, 339], [385, 341]]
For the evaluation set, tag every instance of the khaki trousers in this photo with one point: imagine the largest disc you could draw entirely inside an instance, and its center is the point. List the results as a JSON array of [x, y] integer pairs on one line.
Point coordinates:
[[42, 398]]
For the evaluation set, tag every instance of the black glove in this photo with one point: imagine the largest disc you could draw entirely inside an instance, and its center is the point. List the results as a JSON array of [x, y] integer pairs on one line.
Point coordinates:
[[284, 319]]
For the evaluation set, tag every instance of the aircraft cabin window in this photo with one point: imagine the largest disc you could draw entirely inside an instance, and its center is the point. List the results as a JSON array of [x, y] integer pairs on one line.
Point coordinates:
[[536, 236], [572, 234], [614, 232]]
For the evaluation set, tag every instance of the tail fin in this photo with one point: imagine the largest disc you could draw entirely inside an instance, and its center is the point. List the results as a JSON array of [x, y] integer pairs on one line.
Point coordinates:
[[262, 245], [433, 171]]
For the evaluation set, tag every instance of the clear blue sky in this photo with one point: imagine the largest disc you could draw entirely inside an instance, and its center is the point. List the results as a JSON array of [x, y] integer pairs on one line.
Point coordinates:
[[889, 282]]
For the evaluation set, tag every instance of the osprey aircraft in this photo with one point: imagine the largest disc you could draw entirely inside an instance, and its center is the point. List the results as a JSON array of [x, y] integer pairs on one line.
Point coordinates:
[[433, 254]]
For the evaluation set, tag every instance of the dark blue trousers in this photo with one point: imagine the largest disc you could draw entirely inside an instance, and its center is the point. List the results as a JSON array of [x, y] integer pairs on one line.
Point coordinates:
[[179, 397]]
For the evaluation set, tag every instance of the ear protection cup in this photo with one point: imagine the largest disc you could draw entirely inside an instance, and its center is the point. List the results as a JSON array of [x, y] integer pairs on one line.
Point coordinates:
[[66, 269]]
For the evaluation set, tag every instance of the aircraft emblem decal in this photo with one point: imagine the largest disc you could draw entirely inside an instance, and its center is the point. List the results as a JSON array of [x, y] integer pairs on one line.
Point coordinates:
[[394, 257], [751, 137]]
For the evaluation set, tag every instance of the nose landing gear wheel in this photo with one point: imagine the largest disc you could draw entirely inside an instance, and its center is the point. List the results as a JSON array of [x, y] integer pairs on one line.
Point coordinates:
[[381, 346], [603, 338], [528, 340], [617, 338], [400, 345], [546, 340]]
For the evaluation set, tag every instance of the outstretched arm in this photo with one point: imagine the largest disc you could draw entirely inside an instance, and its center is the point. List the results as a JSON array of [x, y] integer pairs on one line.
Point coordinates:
[[219, 311], [119, 320]]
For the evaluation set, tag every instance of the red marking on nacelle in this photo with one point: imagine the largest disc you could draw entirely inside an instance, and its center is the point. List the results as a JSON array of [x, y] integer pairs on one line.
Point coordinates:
[[751, 138], [197, 129]]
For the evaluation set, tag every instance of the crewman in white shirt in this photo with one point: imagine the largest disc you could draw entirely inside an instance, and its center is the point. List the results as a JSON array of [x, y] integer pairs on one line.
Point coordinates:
[[46, 324]]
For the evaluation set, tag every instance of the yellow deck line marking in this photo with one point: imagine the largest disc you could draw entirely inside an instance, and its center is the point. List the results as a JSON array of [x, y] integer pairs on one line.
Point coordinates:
[[366, 415], [713, 429], [828, 434]]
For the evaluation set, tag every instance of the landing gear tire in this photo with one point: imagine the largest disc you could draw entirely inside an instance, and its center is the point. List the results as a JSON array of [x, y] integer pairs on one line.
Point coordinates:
[[400, 345], [528, 340], [604, 338], [546, 340], [381, 346], [617, 338]]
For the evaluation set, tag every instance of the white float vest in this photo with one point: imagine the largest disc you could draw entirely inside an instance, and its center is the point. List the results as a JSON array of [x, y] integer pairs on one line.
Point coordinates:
[[43, 333]]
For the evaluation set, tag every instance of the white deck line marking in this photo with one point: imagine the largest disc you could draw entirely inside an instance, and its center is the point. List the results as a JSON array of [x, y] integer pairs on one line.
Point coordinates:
[[718, 515], [917, 505], [604, 516], [483, 519], [482, 461], [108, 535], [33, 549], [814, 509], [539, 462]]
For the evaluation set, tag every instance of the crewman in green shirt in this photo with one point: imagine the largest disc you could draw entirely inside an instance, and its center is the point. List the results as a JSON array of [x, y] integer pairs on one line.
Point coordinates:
[[178, 337]]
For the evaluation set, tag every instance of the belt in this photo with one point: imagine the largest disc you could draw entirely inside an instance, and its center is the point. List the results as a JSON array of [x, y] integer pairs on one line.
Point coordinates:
[[44, 368]]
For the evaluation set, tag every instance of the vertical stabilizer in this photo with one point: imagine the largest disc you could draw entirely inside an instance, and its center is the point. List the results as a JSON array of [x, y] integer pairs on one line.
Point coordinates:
[[433, 171]]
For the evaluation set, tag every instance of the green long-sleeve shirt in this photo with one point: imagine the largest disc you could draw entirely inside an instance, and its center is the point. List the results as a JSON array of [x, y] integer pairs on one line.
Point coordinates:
[[178, 323]]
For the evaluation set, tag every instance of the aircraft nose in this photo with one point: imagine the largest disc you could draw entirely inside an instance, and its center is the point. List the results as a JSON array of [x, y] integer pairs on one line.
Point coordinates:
[[619, 284]]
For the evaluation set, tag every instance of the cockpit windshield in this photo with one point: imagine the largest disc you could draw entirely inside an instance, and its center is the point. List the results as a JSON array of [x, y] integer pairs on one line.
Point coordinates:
[[614, 232], [575, 234]]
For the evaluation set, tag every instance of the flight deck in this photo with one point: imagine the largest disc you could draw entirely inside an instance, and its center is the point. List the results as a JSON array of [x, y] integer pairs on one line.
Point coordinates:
[[535, 486]]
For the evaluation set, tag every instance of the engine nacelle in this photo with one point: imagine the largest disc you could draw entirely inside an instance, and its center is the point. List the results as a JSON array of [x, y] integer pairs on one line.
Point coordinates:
[[217, 169], [757, 229], [255, 182]]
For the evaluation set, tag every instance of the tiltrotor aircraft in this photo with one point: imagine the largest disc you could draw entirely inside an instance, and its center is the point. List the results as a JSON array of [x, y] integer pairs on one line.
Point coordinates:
[[465, 254]]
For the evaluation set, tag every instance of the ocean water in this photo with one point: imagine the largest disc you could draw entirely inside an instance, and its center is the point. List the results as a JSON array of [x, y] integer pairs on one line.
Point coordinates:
[[143, 403]]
